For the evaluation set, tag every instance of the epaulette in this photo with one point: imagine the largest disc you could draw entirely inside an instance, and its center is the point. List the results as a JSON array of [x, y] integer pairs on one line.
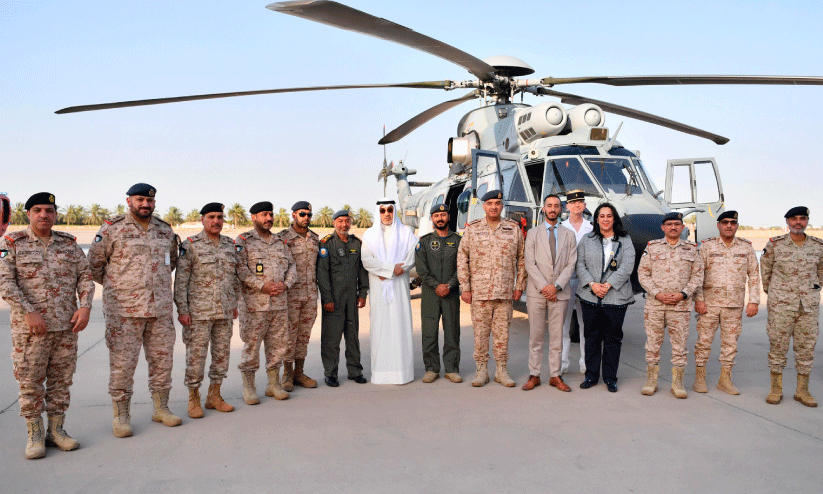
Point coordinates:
[[511, 221], [426, 235], [657, 241], [690, 243], [816, 239], [115, 219], [474, 222], [745, 240], [14, 236], [328, 237], [312, 232], [779, 237], [161, 221], [352, 235], [194, 239], [65, 235], [709, 240]]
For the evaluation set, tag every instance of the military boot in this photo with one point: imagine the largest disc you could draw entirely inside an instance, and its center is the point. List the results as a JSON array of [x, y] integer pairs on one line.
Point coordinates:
[[288, 376], [677, 383], [274, 389], [502, 375], [700, 380], [301, 379], [36, 445], [453, 377], [162, 413], [195, 410], [651, 380], [482, 376], [56, 436], [725, 383], [215, 401], [802, 394], [776, 393], [249, 390], [121, 424]]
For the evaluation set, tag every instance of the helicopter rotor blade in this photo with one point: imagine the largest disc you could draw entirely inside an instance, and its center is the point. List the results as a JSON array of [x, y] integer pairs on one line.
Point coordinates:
[[667, 80], [413, 123], [573, 99], [178, 99], [344, 17]]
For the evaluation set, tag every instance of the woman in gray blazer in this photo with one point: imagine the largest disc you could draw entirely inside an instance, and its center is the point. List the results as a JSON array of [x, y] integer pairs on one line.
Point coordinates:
[[605, 260]]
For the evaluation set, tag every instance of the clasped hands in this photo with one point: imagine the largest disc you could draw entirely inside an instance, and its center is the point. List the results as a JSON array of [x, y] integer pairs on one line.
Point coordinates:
[[398, 270]]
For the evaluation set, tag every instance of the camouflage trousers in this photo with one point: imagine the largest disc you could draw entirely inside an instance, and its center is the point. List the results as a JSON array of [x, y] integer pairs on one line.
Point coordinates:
[[656, 322], [124, 337], [491, 317], [49, 358], [268, 328], [302, 314], [798, 325], [197, 338], [730, 320]]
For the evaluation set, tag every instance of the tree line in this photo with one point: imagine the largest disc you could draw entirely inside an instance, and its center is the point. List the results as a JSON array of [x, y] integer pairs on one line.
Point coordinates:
[[236, 215]]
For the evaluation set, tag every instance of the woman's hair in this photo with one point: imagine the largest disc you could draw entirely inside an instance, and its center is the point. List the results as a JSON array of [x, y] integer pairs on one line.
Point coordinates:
[[619, 231]]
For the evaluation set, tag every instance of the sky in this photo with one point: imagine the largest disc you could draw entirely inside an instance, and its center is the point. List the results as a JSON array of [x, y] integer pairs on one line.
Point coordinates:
[[322, 146]]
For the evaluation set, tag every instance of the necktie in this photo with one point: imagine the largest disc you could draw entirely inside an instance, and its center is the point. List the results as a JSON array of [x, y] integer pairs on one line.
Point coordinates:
[[552, 244]]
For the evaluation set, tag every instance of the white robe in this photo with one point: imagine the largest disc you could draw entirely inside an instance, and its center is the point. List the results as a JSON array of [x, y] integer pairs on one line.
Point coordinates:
[[392, 350]]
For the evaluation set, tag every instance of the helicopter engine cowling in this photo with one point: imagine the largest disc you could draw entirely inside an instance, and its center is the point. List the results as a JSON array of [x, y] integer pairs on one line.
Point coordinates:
[[460, 148], [586, 115], [544, 120]]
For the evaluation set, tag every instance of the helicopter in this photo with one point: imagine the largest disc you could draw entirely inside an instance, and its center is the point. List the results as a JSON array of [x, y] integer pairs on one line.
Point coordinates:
[[526, 151]]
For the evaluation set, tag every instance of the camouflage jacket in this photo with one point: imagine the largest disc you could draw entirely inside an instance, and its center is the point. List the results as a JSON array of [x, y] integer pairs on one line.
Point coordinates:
[[206, 285], [261, 261], [726, 269], [491, 263], [44, 278], [670, 269], [304, 252], [792, 275], [134, 266]]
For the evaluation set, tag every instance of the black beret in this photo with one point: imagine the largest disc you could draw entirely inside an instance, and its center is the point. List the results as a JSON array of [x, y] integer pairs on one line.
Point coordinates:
[[672, 216], [492, 194], [437, 208], [797, 211], [39, 199], [727, 215], [141, 189], [575, 195], [260, 207], [212, 207], [342, 212], [301, 205]]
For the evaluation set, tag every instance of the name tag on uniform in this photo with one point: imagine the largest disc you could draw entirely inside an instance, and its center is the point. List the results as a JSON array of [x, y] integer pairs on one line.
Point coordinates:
[[168, 259], [258, 270]]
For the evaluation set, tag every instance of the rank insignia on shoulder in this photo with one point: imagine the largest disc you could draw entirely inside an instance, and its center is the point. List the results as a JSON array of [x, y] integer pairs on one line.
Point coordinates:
[[238, 248], [3, 253], [258, 269], [324, 252], [98, 238]]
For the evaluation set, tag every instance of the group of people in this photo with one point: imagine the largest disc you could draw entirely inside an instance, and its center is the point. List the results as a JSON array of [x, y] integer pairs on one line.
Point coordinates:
[[272, 281]]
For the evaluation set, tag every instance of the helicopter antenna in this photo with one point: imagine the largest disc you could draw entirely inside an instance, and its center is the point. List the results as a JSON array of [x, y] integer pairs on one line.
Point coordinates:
[[384, 172], [614, 137]]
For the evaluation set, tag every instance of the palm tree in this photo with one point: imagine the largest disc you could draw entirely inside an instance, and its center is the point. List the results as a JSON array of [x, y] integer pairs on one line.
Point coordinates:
[[282, 218], [74, 214], [95, 216], [174, 217], [120, 209], [237, 215], [364, 218], [347, 207], [18, 214], [193, 216], [324, 217]]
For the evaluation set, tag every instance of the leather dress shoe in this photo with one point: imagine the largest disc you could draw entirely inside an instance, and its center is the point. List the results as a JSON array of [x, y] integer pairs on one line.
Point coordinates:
[[332, 382], [587, 384], [558, 383], [358, 379], [612, 387], [532, 383]]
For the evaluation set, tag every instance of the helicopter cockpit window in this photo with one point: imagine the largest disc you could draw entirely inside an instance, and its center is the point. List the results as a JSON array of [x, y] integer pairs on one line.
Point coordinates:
[[615, 174], [439, 199], [513, 189], [578, 150], [463, 201], [621, 152], [565, 174], [641, 170]]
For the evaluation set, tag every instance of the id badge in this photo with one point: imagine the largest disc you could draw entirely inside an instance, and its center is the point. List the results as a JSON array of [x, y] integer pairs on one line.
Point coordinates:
[[168, 259], [258, 270]]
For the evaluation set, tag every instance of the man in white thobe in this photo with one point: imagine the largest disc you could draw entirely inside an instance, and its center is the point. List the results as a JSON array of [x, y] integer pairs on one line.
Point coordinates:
[[576, 204], [388, 255]]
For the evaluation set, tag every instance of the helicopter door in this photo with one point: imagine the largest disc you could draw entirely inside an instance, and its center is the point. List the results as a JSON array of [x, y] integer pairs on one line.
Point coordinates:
[[693, 186], [485, 177], [518, 196]]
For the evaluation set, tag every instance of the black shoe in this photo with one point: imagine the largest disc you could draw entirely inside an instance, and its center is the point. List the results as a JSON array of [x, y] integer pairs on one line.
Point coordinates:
[[358, 379], [587, 384], [612, 387], [332, 382]]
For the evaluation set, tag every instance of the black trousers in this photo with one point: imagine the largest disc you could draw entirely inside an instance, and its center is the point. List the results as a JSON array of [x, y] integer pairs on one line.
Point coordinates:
[[603, 329], [342, 323]]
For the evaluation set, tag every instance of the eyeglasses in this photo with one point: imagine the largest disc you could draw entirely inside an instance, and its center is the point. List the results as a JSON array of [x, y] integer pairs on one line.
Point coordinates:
[[388, 210], [728, 222], [303, 215]]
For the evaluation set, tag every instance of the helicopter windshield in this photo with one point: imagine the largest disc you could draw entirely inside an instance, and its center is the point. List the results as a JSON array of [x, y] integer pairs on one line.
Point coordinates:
[[565, 174], [641, 170], [615, 174], [513, 189]]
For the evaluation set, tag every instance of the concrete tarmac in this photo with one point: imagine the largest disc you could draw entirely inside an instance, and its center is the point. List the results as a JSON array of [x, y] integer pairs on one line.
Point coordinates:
[[439, 437]]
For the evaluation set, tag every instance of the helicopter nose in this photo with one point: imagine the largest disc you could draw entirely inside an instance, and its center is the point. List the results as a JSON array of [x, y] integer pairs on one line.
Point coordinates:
[[642, 229]]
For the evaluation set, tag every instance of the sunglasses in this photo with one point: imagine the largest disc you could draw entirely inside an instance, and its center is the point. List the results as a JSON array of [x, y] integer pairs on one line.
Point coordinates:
[[303, 215], [728, 222], [386, 210]]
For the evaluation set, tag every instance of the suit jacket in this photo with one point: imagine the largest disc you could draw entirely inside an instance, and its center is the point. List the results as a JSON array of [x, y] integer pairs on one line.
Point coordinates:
[[590, 269], [539, 266]]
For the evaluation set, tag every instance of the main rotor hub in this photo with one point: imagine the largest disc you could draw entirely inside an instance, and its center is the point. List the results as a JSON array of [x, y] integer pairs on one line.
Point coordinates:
[[507, 66]]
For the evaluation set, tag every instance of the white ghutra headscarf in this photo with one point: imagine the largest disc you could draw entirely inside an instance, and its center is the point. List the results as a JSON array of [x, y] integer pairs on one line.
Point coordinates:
[[389, 244]]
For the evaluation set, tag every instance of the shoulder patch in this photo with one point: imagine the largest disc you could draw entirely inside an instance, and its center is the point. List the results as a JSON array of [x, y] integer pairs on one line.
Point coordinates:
[[324, 252], [417, 247], [3, 253], [327, 238]]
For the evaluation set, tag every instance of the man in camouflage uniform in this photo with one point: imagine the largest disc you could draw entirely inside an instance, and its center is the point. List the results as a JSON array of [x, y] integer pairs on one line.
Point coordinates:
[[670, 271], [133, 256], [728, 261], [266, 269], [491, 268], [436, 263], [303, 244], [206, 289], [792, 269], [344, 285], [42, 274]]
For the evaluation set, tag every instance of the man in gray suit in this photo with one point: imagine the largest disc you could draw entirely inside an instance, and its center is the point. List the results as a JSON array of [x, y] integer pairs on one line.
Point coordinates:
[[551, 255]]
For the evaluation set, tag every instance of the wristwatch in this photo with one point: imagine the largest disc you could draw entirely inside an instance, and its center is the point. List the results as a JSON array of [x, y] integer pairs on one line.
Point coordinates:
[[685, 297], [558, 287]]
